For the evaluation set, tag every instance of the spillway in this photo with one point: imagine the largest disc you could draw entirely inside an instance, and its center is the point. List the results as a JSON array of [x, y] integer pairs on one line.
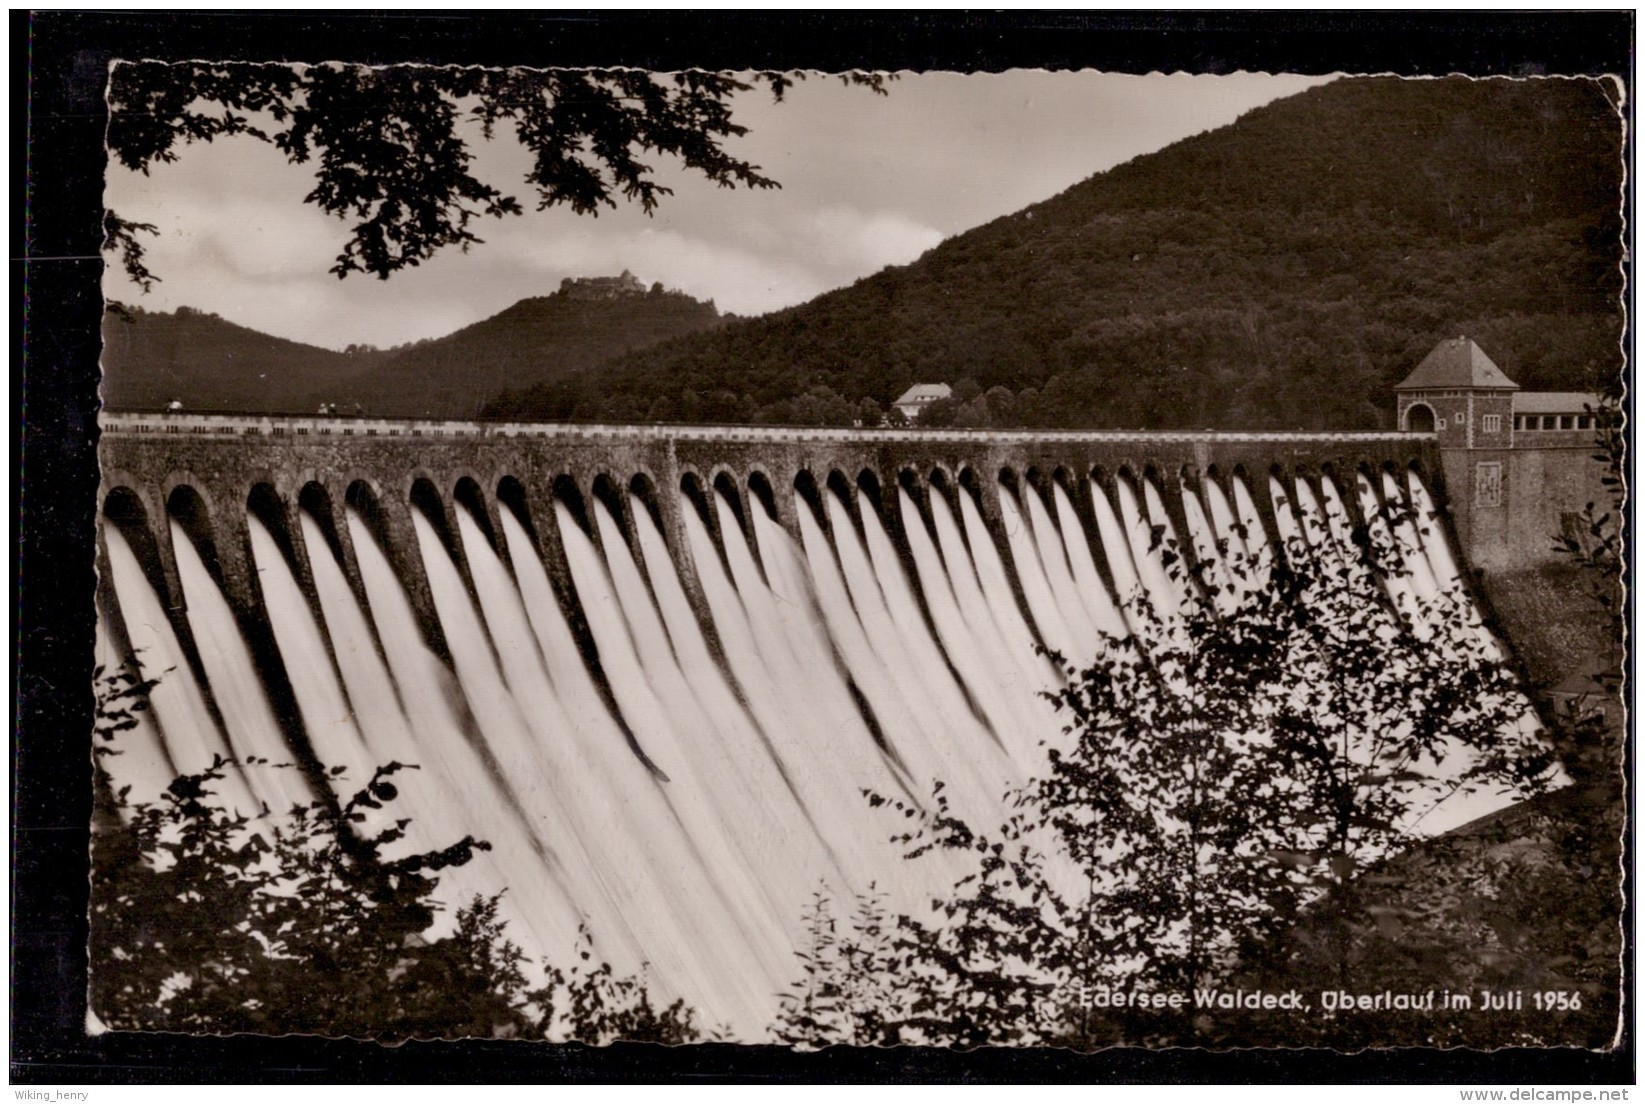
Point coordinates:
[[662, 703]]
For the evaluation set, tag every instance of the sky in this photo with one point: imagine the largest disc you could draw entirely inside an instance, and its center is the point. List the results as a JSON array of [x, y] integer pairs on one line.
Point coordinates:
[[867, 181]]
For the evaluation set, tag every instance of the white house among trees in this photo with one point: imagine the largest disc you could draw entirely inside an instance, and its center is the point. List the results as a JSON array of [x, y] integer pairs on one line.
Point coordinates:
[[920, 396]]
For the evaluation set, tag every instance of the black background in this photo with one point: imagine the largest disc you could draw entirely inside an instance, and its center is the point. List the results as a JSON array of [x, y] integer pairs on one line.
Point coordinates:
[[57, 307]]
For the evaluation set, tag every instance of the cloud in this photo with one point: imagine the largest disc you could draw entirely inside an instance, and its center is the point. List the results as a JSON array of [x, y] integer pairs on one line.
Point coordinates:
[[737, 278], [768, 265], [848, 239], [868, 182], [770, 258], [256, 240]]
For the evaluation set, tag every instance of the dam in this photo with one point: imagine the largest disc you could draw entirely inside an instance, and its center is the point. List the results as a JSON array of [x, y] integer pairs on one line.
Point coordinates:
[[657, 667]]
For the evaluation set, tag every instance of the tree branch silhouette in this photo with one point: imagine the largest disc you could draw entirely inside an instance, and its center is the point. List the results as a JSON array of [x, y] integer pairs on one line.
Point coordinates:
[[389, 150]]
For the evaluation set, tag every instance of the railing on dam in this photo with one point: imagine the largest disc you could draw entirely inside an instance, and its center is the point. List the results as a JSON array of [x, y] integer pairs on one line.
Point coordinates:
[[232, 425]]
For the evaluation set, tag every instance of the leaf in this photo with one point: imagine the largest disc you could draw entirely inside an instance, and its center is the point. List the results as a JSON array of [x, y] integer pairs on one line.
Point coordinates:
[[1295, 860]]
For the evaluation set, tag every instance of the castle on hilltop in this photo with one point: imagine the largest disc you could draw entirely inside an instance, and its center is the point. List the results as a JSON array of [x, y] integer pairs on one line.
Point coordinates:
[[625, 286]]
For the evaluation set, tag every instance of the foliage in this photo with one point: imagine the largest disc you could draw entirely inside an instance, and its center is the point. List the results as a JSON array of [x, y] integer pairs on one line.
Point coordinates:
[[1595, 544], [210, 920], [121, 694], [391, 144], [537, 342], [1281, 272], [591, 1003], [848, 982], [1225, 771], [210, 364], [991, 965], [938, 413], [152, 357], [120, 236], [207, 919], [1527, 902]]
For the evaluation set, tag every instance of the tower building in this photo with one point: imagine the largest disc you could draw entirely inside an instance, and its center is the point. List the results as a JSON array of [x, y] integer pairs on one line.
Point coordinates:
[[1518, 464]]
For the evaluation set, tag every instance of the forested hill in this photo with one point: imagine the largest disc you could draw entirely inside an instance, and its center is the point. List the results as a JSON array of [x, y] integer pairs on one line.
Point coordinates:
[[1284, 271], [209, 364], [151, 358], [535, 341]]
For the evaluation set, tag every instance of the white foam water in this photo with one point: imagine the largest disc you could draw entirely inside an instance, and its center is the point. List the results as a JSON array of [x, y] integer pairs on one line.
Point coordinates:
[[664, 717]]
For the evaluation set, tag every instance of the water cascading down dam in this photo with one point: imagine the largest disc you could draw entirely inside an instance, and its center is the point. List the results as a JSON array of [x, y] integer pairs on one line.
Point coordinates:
[[656, 667]]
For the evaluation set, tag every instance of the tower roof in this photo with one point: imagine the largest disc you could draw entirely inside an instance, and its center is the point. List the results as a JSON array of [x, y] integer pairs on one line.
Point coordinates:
[[1457, 362]]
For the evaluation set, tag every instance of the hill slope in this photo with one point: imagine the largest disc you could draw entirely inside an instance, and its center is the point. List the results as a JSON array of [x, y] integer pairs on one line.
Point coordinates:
[[536, 341], [1284, 271], [209, 364]]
